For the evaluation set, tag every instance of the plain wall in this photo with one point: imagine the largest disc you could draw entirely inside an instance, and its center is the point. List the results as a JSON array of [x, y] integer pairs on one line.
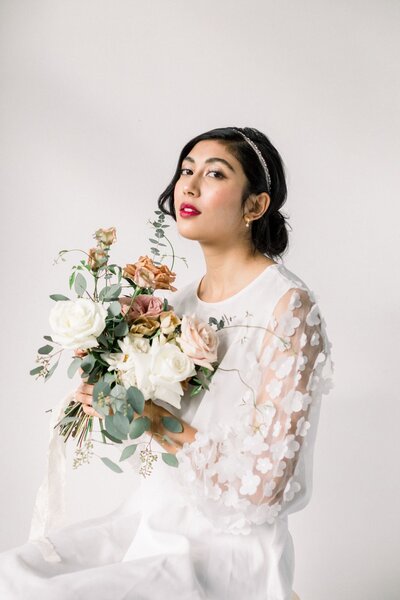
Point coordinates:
[[97, 100]]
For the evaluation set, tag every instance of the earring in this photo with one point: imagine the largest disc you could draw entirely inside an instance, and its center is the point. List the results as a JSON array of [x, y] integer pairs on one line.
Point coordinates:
[[248, 221]]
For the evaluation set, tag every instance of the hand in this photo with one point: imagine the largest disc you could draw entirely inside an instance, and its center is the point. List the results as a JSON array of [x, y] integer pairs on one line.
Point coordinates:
[[84, 394]]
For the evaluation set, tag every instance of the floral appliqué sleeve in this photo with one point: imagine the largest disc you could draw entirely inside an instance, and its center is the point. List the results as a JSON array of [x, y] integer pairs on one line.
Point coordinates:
[[245, 474]]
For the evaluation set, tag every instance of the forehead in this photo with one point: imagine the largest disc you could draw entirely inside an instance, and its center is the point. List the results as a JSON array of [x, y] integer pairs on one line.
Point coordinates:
[[206, 149]]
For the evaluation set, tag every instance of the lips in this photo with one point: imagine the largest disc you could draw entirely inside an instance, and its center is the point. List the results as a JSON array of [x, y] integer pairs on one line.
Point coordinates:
[[188, 209]]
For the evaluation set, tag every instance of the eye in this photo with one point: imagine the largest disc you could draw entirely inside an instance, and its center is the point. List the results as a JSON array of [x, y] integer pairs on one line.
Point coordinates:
[[219, 174]]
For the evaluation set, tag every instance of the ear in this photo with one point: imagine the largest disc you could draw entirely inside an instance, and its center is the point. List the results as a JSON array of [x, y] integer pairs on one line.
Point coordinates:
[[257, 205]]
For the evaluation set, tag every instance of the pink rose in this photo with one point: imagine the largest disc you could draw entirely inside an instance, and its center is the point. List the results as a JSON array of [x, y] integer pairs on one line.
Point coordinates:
[[143, 305], [198, 341]]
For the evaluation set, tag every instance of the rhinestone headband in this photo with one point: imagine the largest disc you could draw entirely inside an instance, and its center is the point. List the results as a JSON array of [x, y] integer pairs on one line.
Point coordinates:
[[260, 156]]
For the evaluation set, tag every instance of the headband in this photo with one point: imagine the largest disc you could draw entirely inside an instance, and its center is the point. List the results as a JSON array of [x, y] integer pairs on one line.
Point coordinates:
[[260, 156]]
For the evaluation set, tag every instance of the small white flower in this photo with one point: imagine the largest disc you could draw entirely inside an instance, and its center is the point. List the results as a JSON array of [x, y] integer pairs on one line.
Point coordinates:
[[283, 366], [291, 488], [263, 465], [302, 427], [293, 401], [313, 316], [289, 323], [303, 340], [274, 388], [250, 483], [268, 488], [295, 301], [315, 339], [254, 444]]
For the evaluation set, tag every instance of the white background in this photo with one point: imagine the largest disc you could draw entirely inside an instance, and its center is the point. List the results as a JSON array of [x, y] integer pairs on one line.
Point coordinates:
[[97, 100]]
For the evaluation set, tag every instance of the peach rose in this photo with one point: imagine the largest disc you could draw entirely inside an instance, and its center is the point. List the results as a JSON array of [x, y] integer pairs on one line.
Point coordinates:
[[143, 305], [106, 237], [97, 258], [148, 275], [144, 326], [199, 341]]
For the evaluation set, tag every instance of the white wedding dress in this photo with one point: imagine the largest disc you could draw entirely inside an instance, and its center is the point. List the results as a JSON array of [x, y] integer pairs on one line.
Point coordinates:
[[216, 527]]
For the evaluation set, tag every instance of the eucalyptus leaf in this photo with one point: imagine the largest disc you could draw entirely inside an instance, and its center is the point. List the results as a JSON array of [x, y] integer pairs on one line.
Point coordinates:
[[172, 424], [112, 292], [121, 423], [71, 279], [36, 370], [58, 297], [118, 391], [112, 465], [109, 423], [73, 367], [88, 363], [51, 371], [121, 329], [110, 437], [80, 284], [48, 338], [128, 451], [138, 427], [45, 349], [135, 398], [115, 308], [170, 459]]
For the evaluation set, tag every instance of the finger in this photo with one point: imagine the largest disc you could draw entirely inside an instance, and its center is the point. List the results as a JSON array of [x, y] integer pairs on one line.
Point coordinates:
[[89, 410], [86, 388], [83, 398]]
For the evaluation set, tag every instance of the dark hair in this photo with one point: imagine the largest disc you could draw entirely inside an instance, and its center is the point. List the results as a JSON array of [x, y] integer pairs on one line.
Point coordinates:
[[269, 233]]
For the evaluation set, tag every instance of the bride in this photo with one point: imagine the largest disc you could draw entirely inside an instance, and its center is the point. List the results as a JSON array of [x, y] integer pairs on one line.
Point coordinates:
[[216, 526]]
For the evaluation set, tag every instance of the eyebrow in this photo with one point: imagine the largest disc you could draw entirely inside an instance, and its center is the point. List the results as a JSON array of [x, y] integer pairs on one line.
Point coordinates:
[[211, 160]]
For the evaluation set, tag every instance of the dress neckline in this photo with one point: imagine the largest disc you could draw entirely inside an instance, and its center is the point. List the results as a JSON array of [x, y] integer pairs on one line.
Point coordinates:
[[244, 290]]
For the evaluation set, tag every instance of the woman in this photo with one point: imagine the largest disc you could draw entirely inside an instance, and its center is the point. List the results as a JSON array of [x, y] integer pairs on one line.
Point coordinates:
[[217, 526]]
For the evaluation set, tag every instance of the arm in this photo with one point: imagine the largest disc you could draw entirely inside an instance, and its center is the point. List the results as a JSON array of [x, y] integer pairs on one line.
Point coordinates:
[[246, 473]]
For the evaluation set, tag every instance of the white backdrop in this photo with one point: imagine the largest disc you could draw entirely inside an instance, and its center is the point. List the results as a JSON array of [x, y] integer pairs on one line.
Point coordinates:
[[97, 100]]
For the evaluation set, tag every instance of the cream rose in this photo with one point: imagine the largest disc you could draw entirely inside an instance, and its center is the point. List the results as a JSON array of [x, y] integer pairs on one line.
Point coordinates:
[[169, 367], [76, 324], [199, 341]]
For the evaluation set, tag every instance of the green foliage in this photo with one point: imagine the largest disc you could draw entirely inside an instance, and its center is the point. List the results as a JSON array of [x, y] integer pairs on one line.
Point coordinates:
[[136, 399], [112, 430], [112, 465], [170, 459], [73, 367], [110, 437], [45, 349], [128, 451], [36, 370], [58, 297], [80, 284], [88, 363], [109, 293], [138, 427], [172, 424], [121, 329], [121, 423], [114, 309]]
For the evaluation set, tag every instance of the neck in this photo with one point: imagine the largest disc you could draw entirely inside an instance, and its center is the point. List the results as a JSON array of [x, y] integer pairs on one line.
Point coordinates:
[[228, 270]]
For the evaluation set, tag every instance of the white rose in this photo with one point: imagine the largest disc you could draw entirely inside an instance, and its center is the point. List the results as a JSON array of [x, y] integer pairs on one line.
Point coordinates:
[[169, 367], [77, 323]]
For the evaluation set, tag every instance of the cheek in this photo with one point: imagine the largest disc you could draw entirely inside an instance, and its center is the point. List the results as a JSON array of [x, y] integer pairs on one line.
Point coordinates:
[[223, 204]]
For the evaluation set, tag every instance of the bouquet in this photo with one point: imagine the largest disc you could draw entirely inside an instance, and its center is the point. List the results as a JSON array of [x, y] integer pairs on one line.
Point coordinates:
[[129, 344]]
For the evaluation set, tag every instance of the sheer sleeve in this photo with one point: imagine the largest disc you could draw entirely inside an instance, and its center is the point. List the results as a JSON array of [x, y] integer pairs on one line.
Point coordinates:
[[248, 473]]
